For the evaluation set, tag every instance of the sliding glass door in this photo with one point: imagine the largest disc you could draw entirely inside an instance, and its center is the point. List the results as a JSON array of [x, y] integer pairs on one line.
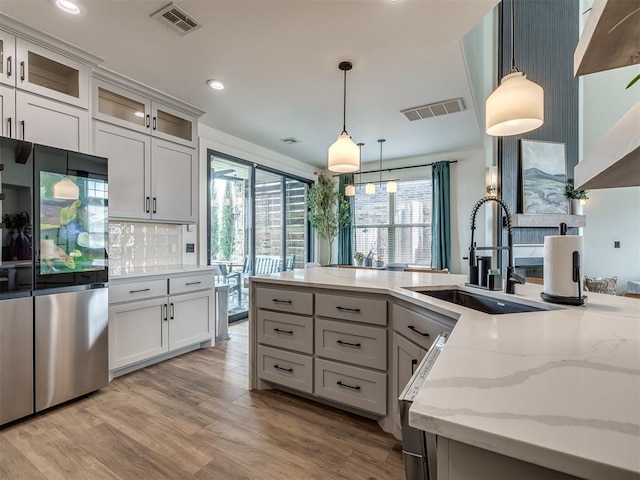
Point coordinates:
[[257, 224]]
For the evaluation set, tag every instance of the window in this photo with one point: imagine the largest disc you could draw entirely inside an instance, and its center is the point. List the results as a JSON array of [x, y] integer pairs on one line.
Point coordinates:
[[395, 227]]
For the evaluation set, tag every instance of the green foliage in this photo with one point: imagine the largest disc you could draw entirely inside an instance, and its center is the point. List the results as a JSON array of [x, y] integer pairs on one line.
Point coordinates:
[[215, 225], [228, 229], [571, 192], [328, 209], [632, 82]]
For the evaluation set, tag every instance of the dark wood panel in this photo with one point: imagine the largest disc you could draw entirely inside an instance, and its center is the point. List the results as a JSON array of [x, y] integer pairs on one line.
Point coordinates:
[[546, 34]]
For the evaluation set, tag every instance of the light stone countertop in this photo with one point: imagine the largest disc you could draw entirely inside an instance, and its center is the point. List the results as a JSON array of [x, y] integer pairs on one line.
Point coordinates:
[[161, 270], [559, 388]]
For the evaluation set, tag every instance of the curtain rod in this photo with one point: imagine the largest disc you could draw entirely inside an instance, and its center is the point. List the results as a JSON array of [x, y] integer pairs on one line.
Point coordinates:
[[397, 168]]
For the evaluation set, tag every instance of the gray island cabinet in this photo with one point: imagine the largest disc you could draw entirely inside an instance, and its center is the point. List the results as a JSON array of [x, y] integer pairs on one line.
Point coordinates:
[[551, 394]]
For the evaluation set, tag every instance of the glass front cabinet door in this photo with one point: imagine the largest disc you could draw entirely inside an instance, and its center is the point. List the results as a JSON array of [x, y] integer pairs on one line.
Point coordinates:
[[50, 74], [119, 106]]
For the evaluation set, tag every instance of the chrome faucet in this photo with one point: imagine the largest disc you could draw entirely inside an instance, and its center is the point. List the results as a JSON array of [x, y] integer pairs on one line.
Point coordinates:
[[512, 277]]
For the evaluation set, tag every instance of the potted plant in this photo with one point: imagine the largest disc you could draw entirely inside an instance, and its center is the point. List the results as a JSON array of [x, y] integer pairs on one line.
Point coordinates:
[[328, 210], [368, 260], [358, 257], [577, 197]]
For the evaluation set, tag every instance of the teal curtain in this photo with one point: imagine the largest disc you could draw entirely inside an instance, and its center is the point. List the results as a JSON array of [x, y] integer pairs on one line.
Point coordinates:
[[345, 233], [441, 220]]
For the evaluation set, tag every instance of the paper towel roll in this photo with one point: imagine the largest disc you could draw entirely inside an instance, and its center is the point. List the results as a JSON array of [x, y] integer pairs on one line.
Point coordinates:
[[558, 264]]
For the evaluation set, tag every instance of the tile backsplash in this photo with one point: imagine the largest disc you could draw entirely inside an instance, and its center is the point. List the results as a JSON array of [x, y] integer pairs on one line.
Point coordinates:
[[144, 245]]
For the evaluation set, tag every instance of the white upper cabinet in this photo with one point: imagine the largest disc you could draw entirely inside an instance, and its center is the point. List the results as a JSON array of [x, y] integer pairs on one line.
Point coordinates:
[[47, 122], [132, 109], [7, 59], [50, 74], [8, 111]]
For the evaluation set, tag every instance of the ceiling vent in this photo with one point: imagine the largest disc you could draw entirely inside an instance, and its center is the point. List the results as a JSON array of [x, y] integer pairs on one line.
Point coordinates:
[[290, 140], [176, 19], [434, 109]]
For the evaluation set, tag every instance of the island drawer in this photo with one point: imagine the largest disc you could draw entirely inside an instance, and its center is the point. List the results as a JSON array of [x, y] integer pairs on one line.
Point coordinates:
[[128, 292], [355, 386], [352, 343], [416, 327], [285, 368], [289, 301], [358, 309], [191, 283], [286, 331]]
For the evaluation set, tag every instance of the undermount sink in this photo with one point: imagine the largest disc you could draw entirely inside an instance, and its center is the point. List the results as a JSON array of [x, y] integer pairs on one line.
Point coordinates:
[[482, 303]]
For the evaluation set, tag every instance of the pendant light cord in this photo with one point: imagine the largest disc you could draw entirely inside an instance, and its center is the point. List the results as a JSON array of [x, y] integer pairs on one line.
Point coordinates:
[[514, 69], [381, 141], [344, 105]]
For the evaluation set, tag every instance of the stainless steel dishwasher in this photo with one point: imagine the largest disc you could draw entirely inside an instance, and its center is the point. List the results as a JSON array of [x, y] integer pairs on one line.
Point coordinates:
[[418, 446]]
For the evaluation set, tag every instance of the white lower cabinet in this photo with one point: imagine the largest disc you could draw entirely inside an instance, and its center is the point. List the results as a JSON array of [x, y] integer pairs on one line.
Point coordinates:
[[141, 328], [137, 331], [406, 358]]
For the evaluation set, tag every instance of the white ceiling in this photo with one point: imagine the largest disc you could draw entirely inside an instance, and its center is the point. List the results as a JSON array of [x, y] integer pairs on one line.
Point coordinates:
[[280, 59]]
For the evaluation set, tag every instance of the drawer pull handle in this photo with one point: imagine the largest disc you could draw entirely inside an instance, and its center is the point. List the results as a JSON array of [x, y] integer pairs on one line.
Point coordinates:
[[346, 309], [347, 344], [339, 383], [288, 332], [290, 370], [139, 291], [411, 327], [284, 302], [193, 283]]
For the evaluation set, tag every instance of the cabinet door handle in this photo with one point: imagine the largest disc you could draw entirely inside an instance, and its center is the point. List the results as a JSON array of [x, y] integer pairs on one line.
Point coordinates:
[[146, 204], [155, 205], [348, 344], [193, 283], [414, 364], [290, 370], [287, 332], [139, 291], [173, 311], [22, 71], [411, 327], [9, 123], [23, 130], [284, 302], [9, 69], [346, 309], [148, 120], [155, 123], [164, 312], [340, 384]]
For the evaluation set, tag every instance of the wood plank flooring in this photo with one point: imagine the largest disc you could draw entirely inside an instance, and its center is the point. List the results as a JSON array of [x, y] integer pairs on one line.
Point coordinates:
[[192, 417]]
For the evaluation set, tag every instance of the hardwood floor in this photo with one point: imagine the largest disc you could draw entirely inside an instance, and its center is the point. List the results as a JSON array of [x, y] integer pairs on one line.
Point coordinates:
[[192, 417]]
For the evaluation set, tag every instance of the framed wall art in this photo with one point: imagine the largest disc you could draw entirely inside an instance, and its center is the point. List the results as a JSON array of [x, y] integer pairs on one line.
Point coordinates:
[[544, 175]]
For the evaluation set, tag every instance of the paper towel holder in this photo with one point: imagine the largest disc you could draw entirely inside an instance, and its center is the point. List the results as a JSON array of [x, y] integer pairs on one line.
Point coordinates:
[[577, 278]]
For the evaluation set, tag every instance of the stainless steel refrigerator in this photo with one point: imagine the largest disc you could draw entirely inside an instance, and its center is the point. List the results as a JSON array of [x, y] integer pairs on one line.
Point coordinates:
[[53, 277]]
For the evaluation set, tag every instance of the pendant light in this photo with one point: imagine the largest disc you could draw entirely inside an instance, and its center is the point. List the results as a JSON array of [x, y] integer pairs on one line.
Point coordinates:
[[370, 188], [392, 185], [343, 153], [517, 105], [350, 190]]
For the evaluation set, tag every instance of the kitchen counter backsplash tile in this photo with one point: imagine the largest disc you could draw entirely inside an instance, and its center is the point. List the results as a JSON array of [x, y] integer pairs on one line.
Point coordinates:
[[143, 245]]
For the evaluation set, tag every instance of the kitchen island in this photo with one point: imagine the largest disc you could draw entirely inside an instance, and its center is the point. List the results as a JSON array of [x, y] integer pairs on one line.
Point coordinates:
[[558, 388]]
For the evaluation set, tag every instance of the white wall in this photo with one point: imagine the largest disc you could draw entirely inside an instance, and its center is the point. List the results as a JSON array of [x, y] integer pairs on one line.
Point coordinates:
[[612, 214]]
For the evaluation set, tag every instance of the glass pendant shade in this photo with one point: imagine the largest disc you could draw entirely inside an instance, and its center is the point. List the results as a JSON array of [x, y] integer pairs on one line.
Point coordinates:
[[370, 188], [516, 106], [66, 189], [349, 190], [392, 186], [344, 155]]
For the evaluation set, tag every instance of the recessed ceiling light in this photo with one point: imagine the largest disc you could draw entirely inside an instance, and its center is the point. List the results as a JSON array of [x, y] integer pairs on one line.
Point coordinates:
[[216, 84], [69, 6]]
